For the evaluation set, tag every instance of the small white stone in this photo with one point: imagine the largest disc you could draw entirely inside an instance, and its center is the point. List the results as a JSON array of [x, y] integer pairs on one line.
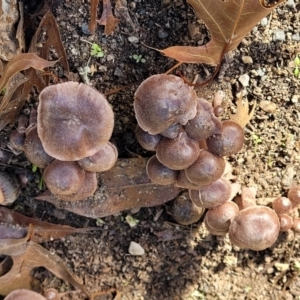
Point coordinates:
[[136, 249], [247, 60], [279, 35], [267, 106], [244, 80], [133, 39], [264, 22], [295, 98]]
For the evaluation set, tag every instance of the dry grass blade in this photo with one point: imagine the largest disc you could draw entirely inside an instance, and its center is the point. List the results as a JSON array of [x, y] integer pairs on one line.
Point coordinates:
[[93, 18], [242, 115]]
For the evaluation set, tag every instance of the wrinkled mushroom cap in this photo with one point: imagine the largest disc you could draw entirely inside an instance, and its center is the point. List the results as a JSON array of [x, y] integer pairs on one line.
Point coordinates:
[[74, 120], [163, 100]]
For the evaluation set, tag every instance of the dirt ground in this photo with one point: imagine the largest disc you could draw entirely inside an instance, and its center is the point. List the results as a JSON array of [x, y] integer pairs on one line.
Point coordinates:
[[182, 262]]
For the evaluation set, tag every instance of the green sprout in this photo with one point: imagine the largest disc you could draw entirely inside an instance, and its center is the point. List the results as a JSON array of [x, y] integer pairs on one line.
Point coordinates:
[[139, 58], [41, 183], [256, 140], [297, 66], [132, 222], [34, 168], [97, 50]]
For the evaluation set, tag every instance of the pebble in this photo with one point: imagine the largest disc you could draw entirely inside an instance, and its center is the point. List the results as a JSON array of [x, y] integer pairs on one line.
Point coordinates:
[[244, 80], [268, 106], [163, 34], [136, 249], [295, 98], [291, 3], [133, 39], [118, 72], [264, 22], [279, 35], [247, 60], [85, 29], [296, 37]]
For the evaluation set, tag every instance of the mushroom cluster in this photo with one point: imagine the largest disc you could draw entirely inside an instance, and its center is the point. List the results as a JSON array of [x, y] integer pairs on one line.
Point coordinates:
[[69, 139], [189, 140]]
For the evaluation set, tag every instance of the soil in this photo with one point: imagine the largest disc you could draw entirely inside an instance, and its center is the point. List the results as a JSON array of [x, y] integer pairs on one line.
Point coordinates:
[[181, 262]]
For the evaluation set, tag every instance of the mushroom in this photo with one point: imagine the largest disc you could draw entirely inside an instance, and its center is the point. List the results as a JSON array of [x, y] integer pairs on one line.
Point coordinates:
[[286, 222], [147, 140], [64, 177], [163, 100], [16, 142], [178, 153], [184, 211], [255, 227], [294, 195], [86, 190], [206, 169], [217, 220], [22, 294], [9, 189], [74, 120], [205, 122], [172, 131], [282, 205], [159, 173], [35, 151], [183, 182], [229, 142], [101, 161]]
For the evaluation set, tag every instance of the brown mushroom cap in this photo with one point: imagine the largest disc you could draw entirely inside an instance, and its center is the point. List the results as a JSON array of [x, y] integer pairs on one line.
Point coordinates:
[[64, 177], [178, 153], [163, 100], [101, 161], [184, 211], [9, 189], [22, 294], [220, 217], [74, 120], [294, 195], [147, 140], [229, 142], [205, 122], [206, 169], [255, 227], [35, 151], [86, 190], [159, 173]]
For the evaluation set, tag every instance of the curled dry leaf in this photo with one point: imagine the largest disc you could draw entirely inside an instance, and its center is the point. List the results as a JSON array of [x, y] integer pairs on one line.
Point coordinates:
[[107, 19], [123, 187], [27, 255], [228, 22], [14, 224], [242, 115]]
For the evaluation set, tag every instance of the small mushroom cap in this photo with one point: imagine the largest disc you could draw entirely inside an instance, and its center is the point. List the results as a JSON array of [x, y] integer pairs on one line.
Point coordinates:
[[184, 211], [159, 173], [163, 100], [229, 142], [101, 161], [178, 153], [22, 294], [282, 205], [205, 122], [64, 177], [255, 227], [86, 190], [74, 120], [219, 218], [147, 141], [286, 222], [35, 151], [206, 169], [183, 182], [294, 194], [9, 189]]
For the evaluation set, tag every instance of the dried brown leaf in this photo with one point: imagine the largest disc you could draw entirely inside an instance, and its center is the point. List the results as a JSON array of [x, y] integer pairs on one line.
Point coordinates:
[[48, 28], [123, 187], [228, 22], [242, 115], [107, 19], [27, 255], [22, 62], [41, 231], [93, 19]]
